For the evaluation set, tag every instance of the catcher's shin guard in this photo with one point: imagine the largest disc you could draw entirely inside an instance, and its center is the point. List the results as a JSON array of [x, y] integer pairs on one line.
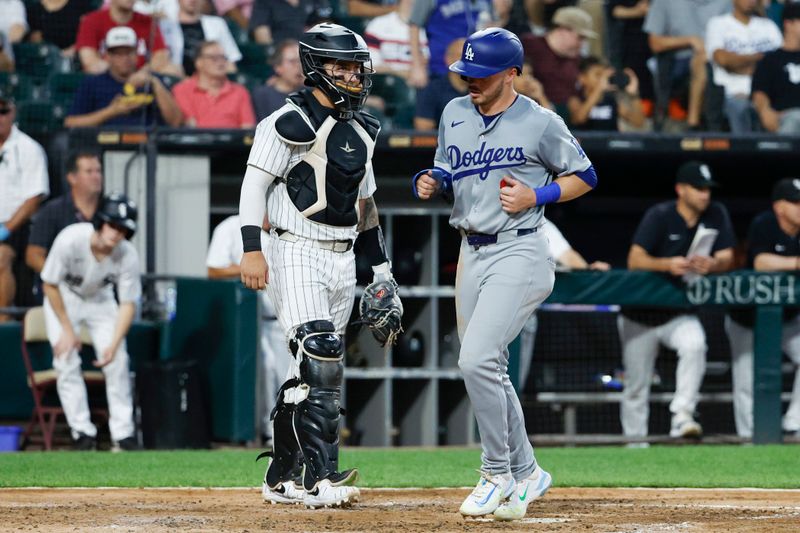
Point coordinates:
[[287, 459], [316, 421]]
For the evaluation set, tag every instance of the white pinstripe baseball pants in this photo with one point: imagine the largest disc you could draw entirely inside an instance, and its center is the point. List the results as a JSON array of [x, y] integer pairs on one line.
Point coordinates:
[[308, 283]]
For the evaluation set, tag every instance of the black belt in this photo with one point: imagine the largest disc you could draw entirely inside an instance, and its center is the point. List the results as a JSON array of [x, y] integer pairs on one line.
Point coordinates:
[[482, 239]]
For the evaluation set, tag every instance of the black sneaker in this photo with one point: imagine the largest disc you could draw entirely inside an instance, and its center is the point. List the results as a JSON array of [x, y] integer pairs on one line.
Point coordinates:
[[129, 444], [84, 443]]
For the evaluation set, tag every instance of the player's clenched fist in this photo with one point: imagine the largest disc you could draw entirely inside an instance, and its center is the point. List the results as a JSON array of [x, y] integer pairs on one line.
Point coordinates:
[[515, 196], [427, 186], [254, 271]]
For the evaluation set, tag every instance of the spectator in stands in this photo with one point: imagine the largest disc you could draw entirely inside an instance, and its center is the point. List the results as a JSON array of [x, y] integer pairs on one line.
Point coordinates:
[[371, 8], [443, 21], [274, 21], [184, 35], [95, 25], [122, 96], [161, 9], [600, 104], [776, 81], [237, 10], [209, 99], [56, 22], [24, 183], [735, 43], [528, 85], [224, 255], [662, 243], [773, 245], [430, 103], [567, 258], [676, 30], [628, 42], [85, 179], [13, 25], [389, 43], [555, 56], [288, 78]]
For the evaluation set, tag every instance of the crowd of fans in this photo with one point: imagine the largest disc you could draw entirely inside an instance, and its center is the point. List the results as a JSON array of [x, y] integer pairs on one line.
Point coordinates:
[[619, 65]]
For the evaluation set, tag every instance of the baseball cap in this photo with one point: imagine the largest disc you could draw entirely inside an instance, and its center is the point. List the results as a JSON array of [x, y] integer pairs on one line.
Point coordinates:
[[696, 174], [120, 36], [791, 11], [787, 189], [575, 19]]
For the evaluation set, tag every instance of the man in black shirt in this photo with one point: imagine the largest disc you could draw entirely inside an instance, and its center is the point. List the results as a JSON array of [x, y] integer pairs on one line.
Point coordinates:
[[776, 81], [773, 245], [85, 178], [661, 244]]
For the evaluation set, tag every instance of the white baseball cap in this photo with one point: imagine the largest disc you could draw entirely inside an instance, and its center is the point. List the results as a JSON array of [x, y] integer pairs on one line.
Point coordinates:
[[120, 36]]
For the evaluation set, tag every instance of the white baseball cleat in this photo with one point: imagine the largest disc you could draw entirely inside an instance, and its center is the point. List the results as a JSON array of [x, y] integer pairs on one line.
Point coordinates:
[[684, 426], [533, 487], [487, 494], [283, 492], [326, 494]]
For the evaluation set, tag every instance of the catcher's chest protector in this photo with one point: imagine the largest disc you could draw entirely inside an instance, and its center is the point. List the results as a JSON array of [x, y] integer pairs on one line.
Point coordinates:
[[324, 185]]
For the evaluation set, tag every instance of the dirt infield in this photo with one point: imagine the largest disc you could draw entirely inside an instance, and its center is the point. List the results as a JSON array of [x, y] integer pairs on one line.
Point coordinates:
[[623, 510]]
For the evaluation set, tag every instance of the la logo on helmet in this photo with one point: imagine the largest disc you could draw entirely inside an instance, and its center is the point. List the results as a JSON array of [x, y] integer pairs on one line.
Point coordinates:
[[468, 53]]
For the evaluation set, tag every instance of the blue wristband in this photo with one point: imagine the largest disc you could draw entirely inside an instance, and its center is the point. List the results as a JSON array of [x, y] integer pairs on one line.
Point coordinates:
[[549, 194], [4, 232], [442, 176]]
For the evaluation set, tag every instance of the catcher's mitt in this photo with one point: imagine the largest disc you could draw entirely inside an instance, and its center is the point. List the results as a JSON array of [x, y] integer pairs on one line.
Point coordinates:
[[382, 311]]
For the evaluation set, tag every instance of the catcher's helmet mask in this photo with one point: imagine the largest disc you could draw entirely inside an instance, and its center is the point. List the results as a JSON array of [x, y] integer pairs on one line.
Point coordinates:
[[488, 52], [118, 211], [321, 48]]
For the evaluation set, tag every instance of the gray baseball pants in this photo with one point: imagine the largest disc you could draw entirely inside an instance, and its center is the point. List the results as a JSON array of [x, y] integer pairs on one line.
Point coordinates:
[[498, 286]]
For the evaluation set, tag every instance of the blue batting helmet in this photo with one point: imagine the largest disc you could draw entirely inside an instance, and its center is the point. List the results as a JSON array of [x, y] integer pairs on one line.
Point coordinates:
[[488, 52]]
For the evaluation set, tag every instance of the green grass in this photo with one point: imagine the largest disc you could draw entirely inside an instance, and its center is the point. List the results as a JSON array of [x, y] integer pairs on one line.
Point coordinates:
[[658, 466]]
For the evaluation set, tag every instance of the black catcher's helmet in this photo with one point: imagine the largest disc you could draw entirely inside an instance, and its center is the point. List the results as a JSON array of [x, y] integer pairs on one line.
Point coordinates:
[[329, 42], [115, 208]]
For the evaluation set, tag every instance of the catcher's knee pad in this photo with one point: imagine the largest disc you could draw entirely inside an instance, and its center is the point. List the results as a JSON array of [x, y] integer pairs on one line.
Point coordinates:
[[320, 352], [287, 458]]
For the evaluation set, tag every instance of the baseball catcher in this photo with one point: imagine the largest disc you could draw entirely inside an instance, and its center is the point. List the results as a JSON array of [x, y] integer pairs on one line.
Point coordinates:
[[312, 160]]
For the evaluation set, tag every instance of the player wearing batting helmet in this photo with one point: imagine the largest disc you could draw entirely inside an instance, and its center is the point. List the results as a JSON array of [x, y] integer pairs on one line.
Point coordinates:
[[85, 264], [500, 181]]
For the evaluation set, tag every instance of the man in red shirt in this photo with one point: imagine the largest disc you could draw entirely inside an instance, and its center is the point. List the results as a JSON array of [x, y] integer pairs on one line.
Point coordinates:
[[555, 56], [95, 25], [208, 99]]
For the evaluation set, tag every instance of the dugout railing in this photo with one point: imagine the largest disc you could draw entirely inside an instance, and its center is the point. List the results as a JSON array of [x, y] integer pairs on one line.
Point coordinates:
[[766, 292]]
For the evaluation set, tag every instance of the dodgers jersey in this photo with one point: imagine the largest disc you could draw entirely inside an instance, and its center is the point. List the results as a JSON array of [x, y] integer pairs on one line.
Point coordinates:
[[270, 154], [526, 141], [71, 265]]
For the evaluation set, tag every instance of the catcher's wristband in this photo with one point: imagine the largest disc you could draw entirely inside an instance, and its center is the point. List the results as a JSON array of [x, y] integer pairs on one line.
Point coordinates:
[[251, 238], [444, 178], [371, 243]]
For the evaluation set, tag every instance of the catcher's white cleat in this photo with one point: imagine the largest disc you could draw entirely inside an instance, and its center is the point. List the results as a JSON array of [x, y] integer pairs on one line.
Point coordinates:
[[283, 492], [326, 494], [533, 487], [487, 494]]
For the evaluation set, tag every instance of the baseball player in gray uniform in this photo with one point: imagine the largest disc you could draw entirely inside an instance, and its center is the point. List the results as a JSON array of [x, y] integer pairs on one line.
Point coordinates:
[[502, 158], [84, 263], [312, 160]]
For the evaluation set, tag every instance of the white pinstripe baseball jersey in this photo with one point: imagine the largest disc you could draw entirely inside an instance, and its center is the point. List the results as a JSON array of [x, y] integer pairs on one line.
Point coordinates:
[[270, 154]]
